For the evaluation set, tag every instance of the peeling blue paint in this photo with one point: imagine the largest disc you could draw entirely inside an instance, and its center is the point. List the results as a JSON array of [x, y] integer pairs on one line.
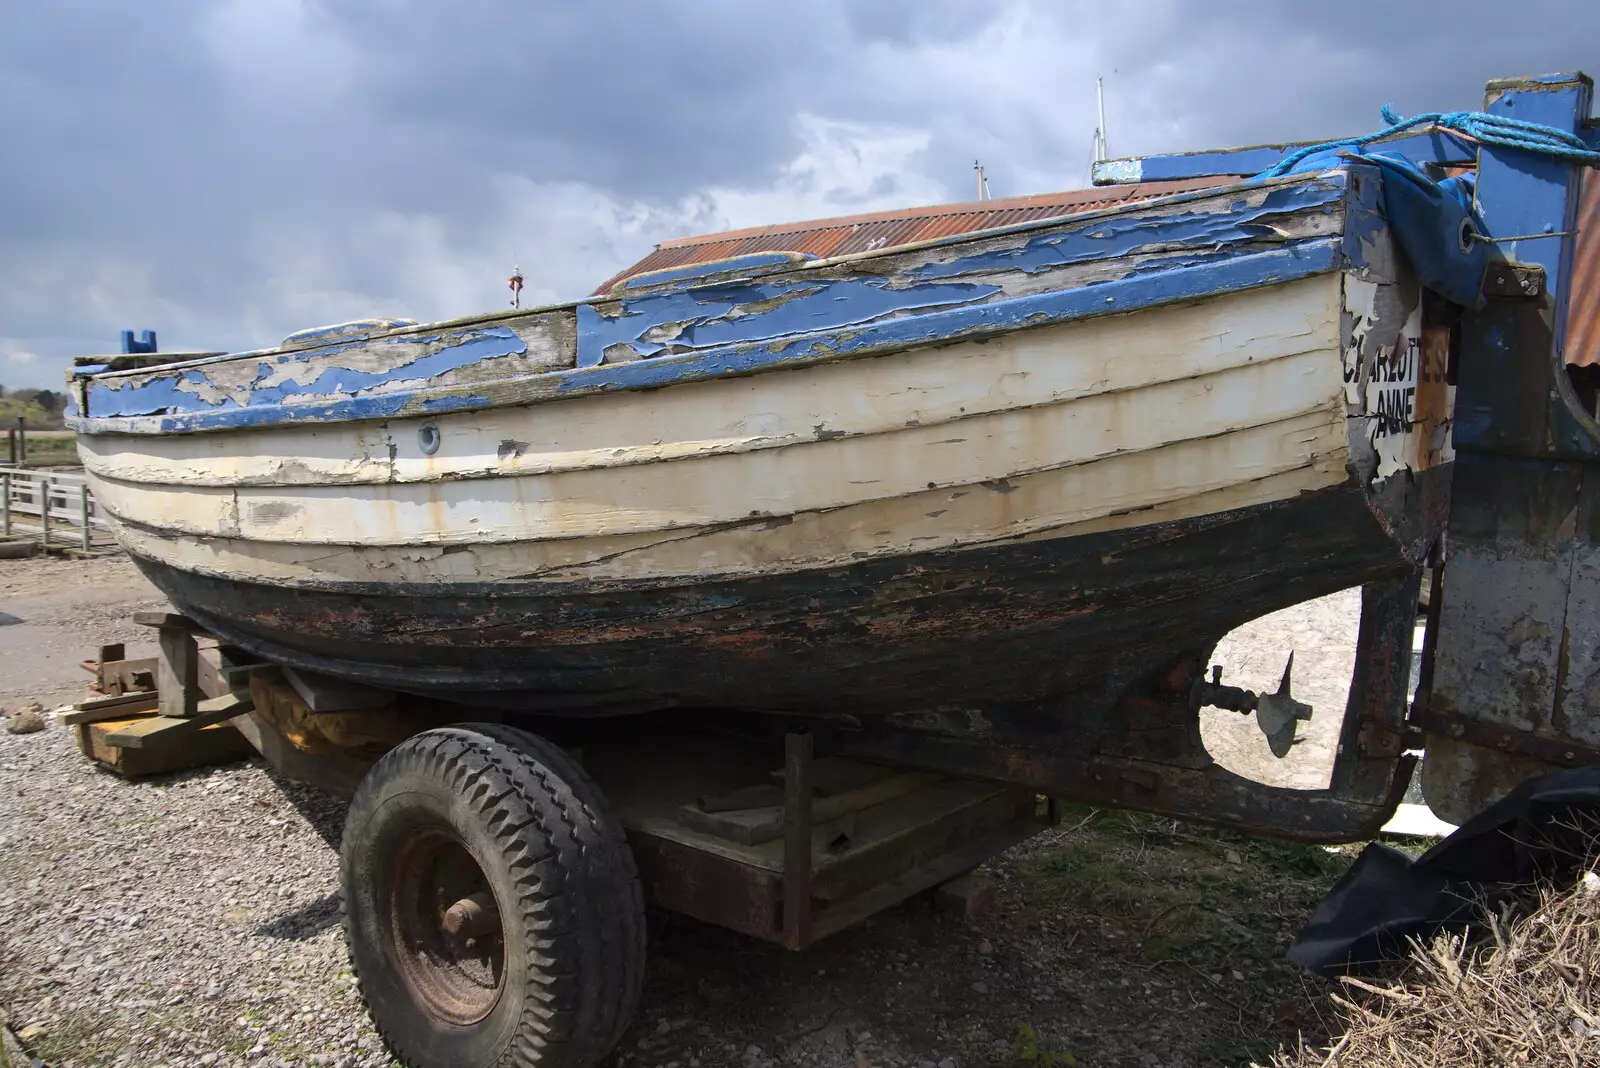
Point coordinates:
[[1129, 294], [154, 395], [1364, 224], [162, 394], [747, 325], [455, 403], [1232, 273], [484, 345], [714, 315], [1116, 237]]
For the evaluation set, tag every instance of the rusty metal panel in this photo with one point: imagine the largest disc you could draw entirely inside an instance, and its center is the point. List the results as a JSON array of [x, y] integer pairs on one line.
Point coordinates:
[[1583, 307], [1505, 609], [1506, 626], [1578, 711]]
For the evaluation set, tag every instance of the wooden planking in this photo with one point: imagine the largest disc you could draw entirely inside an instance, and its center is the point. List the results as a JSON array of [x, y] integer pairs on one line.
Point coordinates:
[[1003, 623], [120, 706], [752, 826], [214, 744], [1212, 474], [924, 387], [777, 483], [177, 671], [152, 732], [770, 483]]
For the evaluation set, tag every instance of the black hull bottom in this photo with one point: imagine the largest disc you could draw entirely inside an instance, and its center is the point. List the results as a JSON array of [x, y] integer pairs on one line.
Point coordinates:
[[1024, 625]]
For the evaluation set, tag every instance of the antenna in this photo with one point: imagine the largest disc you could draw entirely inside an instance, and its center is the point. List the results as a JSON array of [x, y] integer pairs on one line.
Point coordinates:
[[1101, 150], [983, 181]]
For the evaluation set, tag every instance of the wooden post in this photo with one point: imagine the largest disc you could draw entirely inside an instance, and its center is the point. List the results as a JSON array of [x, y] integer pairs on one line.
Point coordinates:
[[5, 504], [83, 512], [797, 840], [22, 441], [176, 672], [11, 445], [44, 509]]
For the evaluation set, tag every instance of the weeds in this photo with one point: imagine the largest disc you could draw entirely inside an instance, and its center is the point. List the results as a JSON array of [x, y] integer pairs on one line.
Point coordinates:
[[1524, 995], [1029, 1048]]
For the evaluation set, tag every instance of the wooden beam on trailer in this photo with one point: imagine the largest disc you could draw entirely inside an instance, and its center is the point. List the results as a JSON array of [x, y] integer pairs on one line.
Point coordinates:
[[159, 730], [798, 749], [116, 706]]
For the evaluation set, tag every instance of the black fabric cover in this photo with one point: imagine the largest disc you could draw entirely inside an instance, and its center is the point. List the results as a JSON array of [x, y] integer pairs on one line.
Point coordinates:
[[1542, 831]]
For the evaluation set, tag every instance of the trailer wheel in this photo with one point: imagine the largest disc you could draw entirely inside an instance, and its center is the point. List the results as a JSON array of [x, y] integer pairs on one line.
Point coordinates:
[[492, 908]]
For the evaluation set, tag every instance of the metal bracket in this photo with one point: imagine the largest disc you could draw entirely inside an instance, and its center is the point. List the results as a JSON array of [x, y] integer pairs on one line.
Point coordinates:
[[1514, 280], [1380, 741], [1555, 751]]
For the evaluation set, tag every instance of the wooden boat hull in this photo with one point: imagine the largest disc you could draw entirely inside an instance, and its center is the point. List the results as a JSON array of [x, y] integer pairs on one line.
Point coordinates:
[[1005, 470], [1034, 623]]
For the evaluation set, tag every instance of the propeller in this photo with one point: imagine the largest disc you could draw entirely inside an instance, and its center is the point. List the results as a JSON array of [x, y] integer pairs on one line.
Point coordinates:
[[1278, 713]]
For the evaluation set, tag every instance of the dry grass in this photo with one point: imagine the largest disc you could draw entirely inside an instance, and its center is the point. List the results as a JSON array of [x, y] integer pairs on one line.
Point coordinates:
[[1524, 993]]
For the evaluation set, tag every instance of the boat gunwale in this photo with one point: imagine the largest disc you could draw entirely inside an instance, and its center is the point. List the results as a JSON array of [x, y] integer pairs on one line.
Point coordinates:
[[821, 263], [1159, 285]]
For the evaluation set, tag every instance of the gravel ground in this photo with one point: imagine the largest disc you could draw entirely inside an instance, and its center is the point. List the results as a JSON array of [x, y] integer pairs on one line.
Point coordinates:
[[193, 919]]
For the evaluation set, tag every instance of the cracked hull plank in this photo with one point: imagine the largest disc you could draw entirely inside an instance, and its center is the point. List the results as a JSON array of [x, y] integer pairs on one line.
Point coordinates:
[[1053, 626]]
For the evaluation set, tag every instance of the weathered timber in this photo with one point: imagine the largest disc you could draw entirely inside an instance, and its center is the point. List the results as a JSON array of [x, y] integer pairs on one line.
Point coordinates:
[[966, 896], [118, 706], [162, 730], [217, 743], [799, 816], [764, 795], [756, 824], [835, 774], [323, 693], [177, 671], [335, 772]]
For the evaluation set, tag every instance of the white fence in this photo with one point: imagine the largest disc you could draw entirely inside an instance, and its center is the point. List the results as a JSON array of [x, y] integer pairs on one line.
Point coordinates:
[[55, 507]]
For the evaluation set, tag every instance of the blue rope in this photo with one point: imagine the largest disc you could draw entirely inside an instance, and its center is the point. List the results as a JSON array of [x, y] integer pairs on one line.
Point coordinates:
[[1478, 126]]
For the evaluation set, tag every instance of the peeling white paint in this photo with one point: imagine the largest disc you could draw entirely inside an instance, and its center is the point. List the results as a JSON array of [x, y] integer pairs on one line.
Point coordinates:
[[1383, 364], [1040, 434], [846, 399]]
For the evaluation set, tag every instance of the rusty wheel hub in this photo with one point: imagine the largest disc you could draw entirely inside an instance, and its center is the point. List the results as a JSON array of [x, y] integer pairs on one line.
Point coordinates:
[[448, 937]]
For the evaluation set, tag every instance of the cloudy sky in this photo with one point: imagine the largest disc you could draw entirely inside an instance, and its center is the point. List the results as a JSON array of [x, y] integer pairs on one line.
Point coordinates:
[[227, 171]]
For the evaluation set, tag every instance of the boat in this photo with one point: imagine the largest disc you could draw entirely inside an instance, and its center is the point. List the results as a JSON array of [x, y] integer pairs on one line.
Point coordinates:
[[1015, 472]]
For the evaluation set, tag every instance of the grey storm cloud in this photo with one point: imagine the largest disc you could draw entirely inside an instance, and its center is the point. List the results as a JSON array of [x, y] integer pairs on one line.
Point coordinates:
[[226, 172]]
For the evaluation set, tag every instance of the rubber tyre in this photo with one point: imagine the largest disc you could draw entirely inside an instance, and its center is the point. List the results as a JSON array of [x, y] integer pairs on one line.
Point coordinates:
[[554, 856]]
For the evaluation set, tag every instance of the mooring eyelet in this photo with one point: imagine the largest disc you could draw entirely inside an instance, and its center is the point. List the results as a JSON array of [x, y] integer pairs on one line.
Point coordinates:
[[428, 439], [1466, 237]]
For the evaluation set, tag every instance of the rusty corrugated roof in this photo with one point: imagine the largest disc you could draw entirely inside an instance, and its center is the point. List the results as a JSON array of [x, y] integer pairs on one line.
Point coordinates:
[[887, 229], [1583, 309]]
